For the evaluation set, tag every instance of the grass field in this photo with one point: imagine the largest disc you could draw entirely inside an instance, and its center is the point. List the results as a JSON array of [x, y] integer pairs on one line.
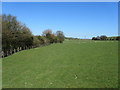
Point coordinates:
[[73, 64]]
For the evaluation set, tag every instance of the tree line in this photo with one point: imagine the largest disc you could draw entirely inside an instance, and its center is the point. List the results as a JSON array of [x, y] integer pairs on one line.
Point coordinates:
[[16, 36], [72, 38], [104, 37]]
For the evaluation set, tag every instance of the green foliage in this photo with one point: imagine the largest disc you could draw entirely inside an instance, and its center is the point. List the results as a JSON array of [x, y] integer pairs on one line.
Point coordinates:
[[113, 38], [60, 36], [41, 39], [104, 37], [36, 41], [15, 35], [52, 38], [71, 38]]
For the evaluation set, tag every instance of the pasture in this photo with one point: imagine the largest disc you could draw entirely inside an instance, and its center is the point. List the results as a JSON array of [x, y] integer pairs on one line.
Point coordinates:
[[73, 64]]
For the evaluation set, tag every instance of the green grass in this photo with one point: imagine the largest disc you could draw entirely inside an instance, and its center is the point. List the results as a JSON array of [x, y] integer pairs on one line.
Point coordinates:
[[73, 64], [0, 73]]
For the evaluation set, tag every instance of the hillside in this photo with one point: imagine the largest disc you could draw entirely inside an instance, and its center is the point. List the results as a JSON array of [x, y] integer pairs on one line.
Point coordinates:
[[73, 64]]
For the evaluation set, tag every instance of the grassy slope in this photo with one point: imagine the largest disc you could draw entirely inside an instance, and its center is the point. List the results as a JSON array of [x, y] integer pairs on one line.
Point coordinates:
[[0, 73], [94, 63]]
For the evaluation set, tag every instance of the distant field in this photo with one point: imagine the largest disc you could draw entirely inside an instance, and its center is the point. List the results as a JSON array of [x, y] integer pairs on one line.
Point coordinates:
[[73, 64]]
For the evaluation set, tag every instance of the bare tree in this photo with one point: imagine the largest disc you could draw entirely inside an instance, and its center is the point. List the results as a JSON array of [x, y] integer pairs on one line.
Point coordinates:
[[47, 31]]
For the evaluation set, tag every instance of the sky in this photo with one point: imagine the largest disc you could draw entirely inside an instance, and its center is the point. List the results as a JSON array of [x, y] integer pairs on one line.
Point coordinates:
[[76, 19], [60, 0]]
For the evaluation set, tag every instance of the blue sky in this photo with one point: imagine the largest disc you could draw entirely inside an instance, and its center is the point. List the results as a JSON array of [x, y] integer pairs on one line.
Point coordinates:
[[75, 19]]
